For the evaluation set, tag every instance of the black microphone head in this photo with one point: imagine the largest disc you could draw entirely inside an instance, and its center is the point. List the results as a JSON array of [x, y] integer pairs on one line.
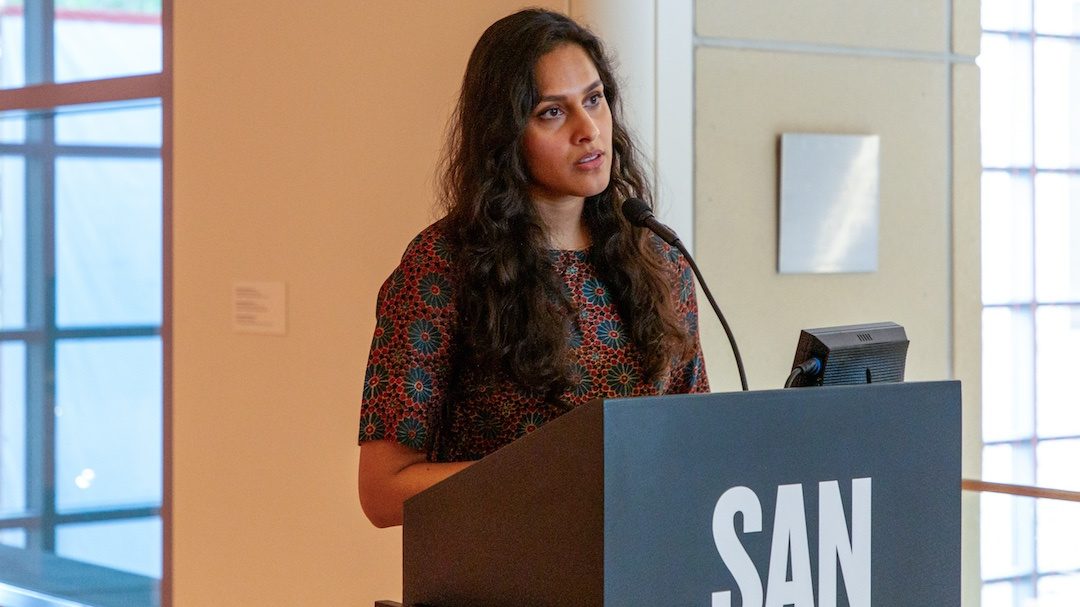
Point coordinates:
[[636, 211]]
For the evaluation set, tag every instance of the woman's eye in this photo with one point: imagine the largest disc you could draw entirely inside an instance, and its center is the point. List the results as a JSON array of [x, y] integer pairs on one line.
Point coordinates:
[[595, 98], [551, 112]]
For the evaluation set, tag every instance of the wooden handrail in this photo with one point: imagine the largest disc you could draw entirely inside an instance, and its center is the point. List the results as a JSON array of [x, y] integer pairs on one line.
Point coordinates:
[[1021, 490]]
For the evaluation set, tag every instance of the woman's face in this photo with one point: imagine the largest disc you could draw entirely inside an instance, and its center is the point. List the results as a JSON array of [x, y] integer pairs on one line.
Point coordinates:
[[567, 140]]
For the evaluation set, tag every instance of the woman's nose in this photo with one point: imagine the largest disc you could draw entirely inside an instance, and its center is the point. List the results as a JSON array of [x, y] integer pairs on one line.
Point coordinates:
[[585, 128]]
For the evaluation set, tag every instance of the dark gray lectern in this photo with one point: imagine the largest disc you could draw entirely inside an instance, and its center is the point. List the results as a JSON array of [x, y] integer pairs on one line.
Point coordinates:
[[816, 497]]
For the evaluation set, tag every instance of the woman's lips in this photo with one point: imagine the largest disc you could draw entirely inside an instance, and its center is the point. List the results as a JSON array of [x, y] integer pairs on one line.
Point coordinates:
[[591, 160]]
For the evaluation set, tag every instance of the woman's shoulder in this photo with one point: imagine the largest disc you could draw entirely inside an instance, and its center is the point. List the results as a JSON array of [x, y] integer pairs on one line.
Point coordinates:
[[429, 249], [424, 272]]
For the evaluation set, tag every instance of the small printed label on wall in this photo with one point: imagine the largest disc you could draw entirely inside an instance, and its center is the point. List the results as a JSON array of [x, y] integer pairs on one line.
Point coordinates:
[[259, 307]]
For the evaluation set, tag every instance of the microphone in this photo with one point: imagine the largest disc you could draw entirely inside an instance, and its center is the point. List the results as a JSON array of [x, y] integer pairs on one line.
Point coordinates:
[[638, 213]]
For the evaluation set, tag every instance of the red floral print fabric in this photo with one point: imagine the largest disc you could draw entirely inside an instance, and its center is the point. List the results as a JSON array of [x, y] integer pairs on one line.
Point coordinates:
[[412, 352]]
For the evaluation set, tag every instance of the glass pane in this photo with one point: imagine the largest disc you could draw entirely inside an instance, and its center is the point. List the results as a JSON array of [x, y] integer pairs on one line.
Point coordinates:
[[1057, 237], [1058, 334], [1057, 17], [13, 126], [12, 427], [106, 38], [135, 123], [108, 241], [1005, 64], [1008, 529], [1007, 224], [1059, 590], [12, 51], [12, 242], [130, 545], [998, 594], [1006, 15], [1014, 463], [1057, 95], [108, 422], [15, 538], [1059, 521], [1008, 371], [1057, 468]]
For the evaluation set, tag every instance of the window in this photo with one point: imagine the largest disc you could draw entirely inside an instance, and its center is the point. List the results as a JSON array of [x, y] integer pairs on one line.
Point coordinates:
[[1030, 66], [83, 92]]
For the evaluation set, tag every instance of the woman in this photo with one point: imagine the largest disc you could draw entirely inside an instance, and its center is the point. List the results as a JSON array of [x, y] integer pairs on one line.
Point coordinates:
[[533, 295]]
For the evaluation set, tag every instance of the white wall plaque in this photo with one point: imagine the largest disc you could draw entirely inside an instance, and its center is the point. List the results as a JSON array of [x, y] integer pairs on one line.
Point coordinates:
[[829, 198], [259, 307]]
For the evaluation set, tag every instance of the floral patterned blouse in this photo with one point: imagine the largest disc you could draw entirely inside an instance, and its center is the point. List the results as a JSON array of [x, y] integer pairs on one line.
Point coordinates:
[[412, 350]]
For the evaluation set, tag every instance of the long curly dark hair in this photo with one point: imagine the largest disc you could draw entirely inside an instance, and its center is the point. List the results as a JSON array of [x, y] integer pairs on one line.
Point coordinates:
[[514, 316]]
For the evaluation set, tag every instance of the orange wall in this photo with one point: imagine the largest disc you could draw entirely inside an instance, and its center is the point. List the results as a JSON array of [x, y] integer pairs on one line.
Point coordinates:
[[304, 142]]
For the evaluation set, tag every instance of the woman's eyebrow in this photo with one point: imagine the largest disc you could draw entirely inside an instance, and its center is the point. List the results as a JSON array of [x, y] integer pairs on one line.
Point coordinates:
[[592, 86]]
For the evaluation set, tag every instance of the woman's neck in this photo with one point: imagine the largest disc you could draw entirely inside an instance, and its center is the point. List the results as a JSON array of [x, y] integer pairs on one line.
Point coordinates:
[[563, 223]]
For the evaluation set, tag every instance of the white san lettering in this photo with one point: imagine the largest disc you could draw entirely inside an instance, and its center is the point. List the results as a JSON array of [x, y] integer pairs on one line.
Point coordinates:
[[789, 540], [734, 500], [789, 544], [834, 543]]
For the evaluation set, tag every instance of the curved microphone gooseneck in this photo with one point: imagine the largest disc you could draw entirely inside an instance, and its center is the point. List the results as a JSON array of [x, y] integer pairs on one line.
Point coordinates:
[[638, 213]]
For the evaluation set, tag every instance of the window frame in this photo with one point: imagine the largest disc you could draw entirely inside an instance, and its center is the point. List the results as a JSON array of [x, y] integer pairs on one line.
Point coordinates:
[[41, 333], [1025, 526]]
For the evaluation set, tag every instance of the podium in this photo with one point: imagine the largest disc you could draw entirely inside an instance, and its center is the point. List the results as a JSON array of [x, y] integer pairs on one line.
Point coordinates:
[[810, 497]]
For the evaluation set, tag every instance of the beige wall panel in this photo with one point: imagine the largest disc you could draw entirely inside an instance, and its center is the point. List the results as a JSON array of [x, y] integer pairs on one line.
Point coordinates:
[[745, 99], [917, 25], [967, 27], [967, 271], [967, 303], [304, 146], [970, 572]]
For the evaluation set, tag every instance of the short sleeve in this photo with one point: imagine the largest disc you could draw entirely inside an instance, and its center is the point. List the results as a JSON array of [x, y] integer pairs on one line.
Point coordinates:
[[409, 363], [691, 377]]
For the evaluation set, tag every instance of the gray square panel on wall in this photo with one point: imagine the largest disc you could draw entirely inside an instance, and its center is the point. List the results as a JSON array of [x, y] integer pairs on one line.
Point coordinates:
[[829, 199]]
